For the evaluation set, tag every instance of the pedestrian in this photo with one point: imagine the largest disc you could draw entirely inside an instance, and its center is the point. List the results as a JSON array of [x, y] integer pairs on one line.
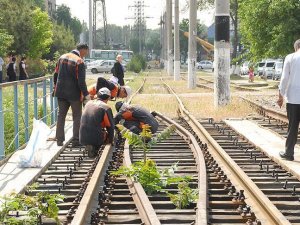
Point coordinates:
[[11, 70], [135, 117], [289, 88], [116, 90], [97, 124], [22, 68], [1, 72], [71, 91], [251, 74], [118, 70]]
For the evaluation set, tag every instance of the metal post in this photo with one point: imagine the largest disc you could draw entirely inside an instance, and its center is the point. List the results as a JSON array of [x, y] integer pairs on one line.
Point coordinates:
[[44, 101], [35, 101], [16, 116], [222, 53], [170, 38], [2, 146], [165, 42], [26, 114], [51, 101], [192, 45], [91, 26], [176, 43]]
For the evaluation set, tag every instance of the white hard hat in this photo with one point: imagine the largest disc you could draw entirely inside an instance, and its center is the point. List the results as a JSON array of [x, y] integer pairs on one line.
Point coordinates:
[[128, 90], [103, 91]]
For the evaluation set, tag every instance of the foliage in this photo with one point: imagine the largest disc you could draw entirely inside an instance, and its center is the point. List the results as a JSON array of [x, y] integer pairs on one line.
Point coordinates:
[[153, 42], [148, 175], [5, 42], [137, 63], [63, 41], [63, 17], [144, 140], [42, 34], [42, 204], [144, 173], [184, 26], [269, 28], [29, 26], [185, 195]]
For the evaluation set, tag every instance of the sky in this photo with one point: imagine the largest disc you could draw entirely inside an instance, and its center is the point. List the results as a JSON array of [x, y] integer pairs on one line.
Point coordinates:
[[118, 11]]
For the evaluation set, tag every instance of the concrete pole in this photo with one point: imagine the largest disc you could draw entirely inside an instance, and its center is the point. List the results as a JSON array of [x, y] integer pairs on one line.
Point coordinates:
[[192, 56], [170, 38], [176, 43], [165, 43], [222, 53], [91, 25]]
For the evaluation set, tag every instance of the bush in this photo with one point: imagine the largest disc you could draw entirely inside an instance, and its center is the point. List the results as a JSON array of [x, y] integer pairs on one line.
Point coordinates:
[[137, 64]]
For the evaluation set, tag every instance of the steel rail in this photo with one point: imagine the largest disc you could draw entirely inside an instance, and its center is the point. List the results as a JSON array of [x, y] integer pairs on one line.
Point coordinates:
[[265, 210], [202, 203], [139, 196], [267, 111], [82, 212]]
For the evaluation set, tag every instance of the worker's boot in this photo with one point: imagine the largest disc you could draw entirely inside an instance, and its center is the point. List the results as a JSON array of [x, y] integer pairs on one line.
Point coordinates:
[[91, 151]]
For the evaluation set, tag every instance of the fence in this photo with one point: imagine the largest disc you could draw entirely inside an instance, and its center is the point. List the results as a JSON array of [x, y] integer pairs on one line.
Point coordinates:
[[23, 101]]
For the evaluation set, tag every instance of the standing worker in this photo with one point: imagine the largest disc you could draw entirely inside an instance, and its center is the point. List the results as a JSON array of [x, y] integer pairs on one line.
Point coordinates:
[[1, 73], [11, 70], [290, 89], [118, 70], [97, 125], [71, 91], [22, 67], [135, 117]]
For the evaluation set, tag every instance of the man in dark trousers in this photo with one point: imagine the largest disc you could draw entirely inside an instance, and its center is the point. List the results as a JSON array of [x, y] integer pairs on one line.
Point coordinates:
[[135, 117], [22, 68], [11, 70], [116, 90], [118, 70], [290, 89], [97, 125], [71, 91]]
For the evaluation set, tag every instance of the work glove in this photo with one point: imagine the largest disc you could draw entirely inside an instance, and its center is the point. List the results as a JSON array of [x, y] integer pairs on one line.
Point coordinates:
[[86, 99]]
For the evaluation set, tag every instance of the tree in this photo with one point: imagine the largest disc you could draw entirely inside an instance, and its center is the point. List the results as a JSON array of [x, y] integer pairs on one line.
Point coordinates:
[[42, 34], [184, 26], [18, 23], [5, 42], [134, 45], [270, 28], [63, 16], [234, 9], [63, 41], [40, 4], [153, 42]]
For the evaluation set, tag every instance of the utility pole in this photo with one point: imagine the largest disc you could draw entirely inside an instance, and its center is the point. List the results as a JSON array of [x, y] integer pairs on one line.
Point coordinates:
[[170, 38], [91, 26], [176, 43], [165, 43], [222, 53], [192, 56]]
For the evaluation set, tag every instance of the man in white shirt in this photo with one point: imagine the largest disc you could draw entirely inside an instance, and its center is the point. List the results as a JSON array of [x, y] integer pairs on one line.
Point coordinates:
[[290, 89], [1, 73]]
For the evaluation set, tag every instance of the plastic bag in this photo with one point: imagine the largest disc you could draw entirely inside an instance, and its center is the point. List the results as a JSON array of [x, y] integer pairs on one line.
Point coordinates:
[[32, 155]]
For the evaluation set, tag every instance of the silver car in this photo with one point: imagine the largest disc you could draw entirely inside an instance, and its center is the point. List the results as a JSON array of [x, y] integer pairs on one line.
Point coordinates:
[[101, 66]]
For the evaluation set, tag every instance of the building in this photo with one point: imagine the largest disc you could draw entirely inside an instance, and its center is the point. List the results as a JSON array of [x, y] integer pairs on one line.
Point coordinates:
[[50, 6]]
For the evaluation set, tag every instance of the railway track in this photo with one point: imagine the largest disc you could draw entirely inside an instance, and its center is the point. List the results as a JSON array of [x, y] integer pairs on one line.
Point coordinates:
[[269, 189]]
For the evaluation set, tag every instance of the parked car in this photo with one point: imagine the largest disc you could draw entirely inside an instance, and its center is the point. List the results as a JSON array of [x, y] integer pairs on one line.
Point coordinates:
[[260, 68], [205, 64], [101, 66], [268, 70], [277, 70], [245, 68]]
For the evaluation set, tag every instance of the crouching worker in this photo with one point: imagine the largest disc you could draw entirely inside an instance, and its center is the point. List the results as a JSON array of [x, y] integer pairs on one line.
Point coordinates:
[[135, 117], [116, 91], [97, 125]]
